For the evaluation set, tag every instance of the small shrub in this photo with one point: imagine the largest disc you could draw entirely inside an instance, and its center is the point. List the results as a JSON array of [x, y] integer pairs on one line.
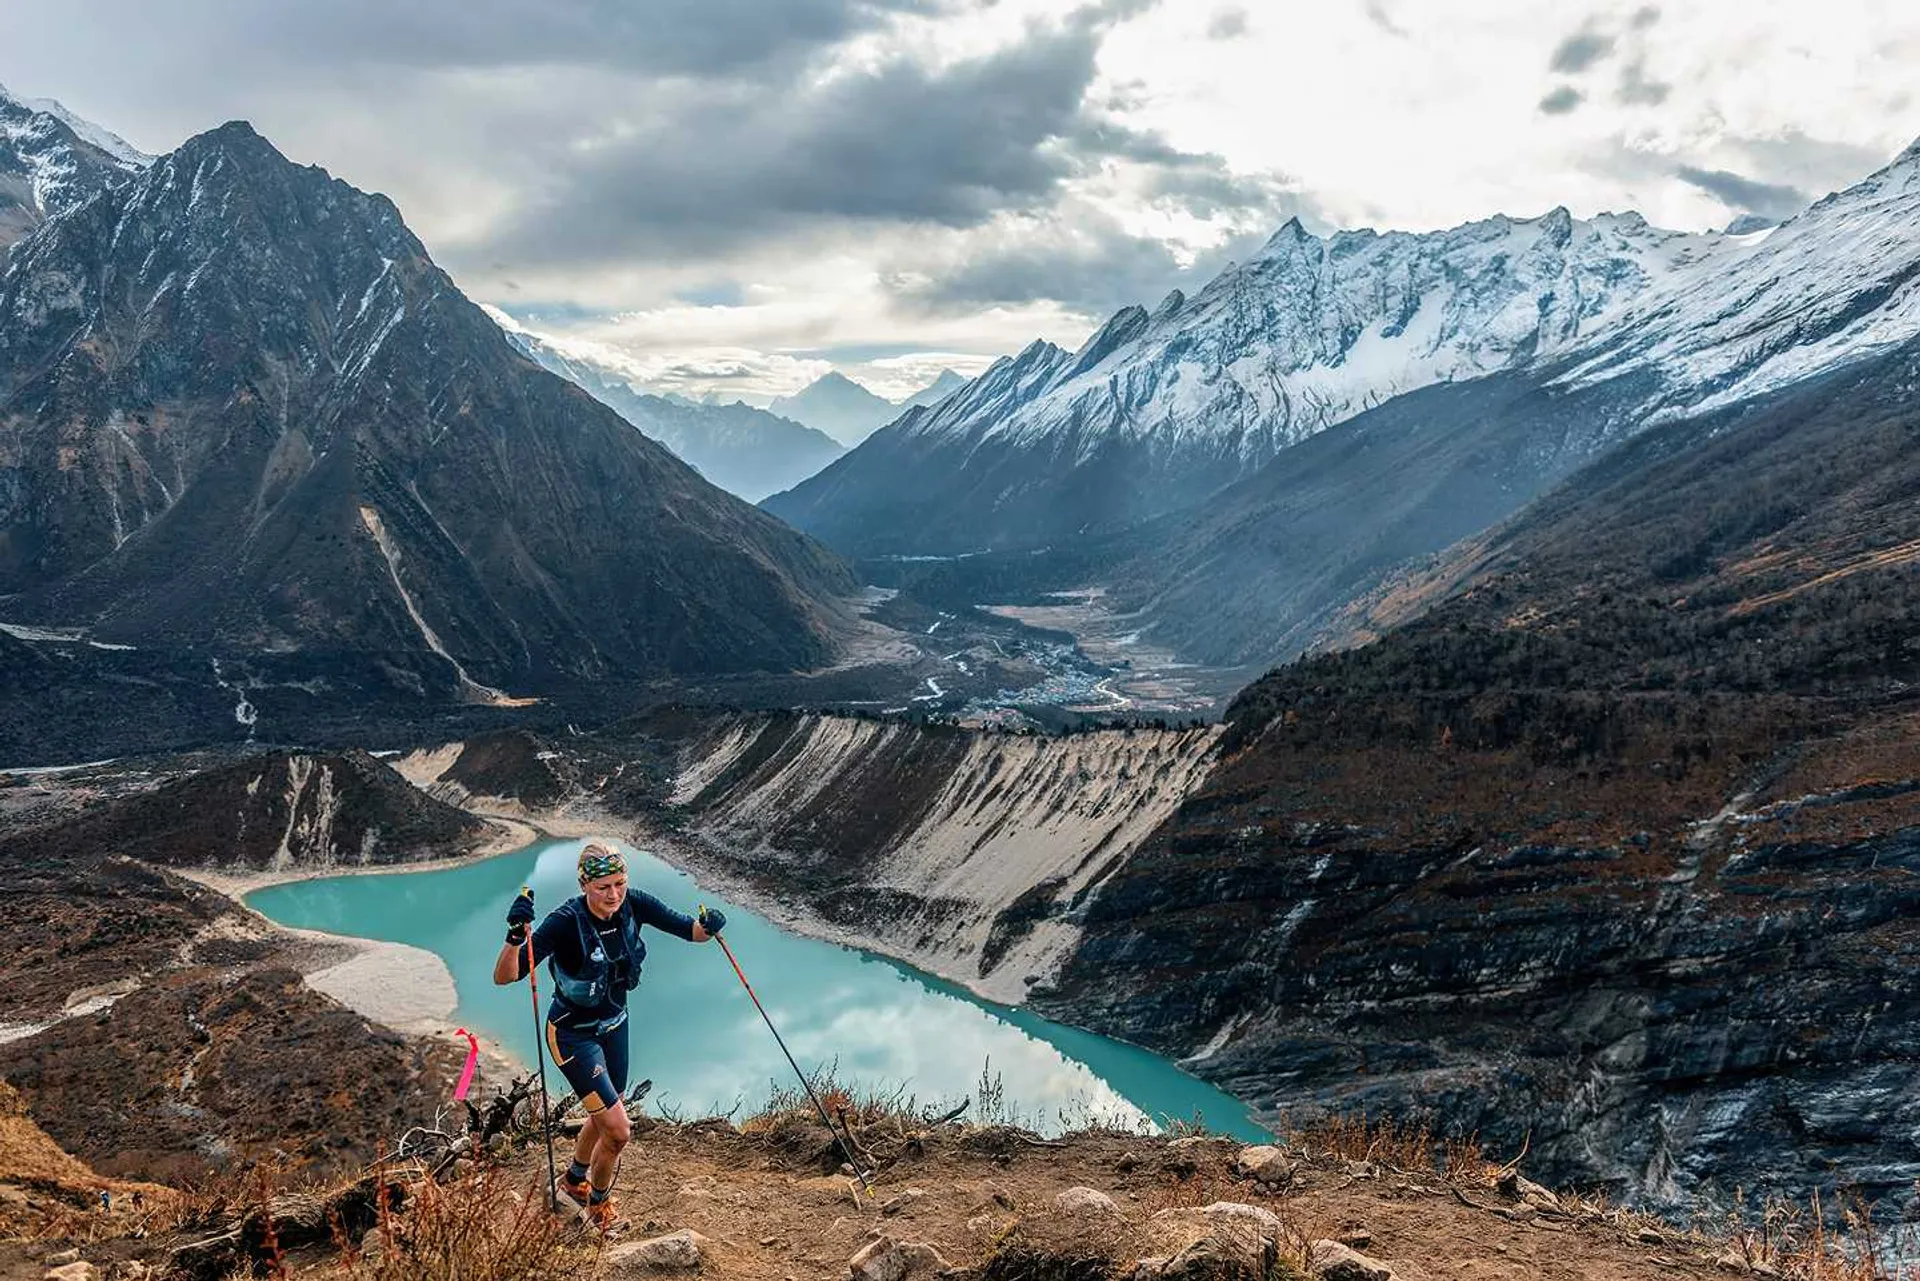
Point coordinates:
[[481, 1228]]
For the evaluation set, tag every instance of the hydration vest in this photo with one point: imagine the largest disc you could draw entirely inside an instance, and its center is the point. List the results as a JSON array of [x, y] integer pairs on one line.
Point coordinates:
[[594, 988]]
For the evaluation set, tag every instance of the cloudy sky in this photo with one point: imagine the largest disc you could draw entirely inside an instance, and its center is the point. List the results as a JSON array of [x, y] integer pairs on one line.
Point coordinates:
[[741, 194]]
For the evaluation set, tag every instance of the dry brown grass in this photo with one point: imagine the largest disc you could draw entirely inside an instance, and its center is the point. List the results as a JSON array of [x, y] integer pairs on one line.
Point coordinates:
[[1401, 1145], [1797, 1242], [481, 1228]]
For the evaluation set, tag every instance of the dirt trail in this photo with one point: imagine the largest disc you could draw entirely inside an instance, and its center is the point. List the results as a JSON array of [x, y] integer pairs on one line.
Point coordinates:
[[770, 1208]]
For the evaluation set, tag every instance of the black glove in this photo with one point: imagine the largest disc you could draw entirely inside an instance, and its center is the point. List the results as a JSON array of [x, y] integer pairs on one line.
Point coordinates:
[[712, 920], [519, 916]]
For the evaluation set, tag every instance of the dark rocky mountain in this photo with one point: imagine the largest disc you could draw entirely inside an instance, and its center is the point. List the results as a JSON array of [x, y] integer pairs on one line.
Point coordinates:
[[1266, 569], [51, 161], [835, 404], [242, 412], [748, 452], [1613, 852]]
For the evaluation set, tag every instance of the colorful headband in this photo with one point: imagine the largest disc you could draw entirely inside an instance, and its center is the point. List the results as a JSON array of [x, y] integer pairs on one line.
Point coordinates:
[[597, 861]]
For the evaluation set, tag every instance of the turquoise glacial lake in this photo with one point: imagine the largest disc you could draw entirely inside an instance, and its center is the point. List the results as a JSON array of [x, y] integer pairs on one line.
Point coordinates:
[[880, 1026]]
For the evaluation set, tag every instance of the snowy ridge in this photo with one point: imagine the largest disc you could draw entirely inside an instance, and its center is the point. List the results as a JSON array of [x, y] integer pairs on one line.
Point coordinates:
[[52, 160], [1311, 331], [111, 143], [1835, 284]]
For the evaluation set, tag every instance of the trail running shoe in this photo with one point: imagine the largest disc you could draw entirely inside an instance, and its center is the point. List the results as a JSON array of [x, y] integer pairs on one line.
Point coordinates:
[[571, 1195], [604, 1215]]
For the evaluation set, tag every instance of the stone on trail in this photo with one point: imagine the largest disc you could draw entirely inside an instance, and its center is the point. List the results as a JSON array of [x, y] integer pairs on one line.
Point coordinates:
[[1184, 1156], [78, 1270], [1235, 1213], [1211, 1257], [674, 1252], [1085, 1201], [1514, 1184], [888, 1260], [1332, 1261], [902, 1201], [1264, 1164]]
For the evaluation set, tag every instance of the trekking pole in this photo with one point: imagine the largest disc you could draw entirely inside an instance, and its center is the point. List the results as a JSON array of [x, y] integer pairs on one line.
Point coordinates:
[[540, 1056], [846, 1148]]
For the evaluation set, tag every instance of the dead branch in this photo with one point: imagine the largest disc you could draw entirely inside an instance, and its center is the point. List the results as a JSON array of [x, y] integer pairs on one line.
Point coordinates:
[[947, 1116], [287, 1221]]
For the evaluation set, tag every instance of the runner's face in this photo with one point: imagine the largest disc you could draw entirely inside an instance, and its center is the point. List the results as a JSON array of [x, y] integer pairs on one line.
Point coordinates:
[[605, 895]]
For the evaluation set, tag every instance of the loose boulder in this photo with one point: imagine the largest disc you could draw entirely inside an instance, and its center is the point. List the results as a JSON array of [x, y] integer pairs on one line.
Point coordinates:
[[674, 1252], [885, 1259], [1264, 1164], [1332, 1261], [1085, 1201]]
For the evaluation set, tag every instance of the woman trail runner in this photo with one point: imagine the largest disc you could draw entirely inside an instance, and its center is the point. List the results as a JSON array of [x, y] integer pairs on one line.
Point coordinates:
[[592, 946]]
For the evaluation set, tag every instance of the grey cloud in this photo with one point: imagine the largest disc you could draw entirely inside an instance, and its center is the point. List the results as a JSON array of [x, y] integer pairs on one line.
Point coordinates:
[[1200, 183], [1227, 24], [1579, 51], [704, 371], [1643, 17], [1636, 89], [1561, 101], [1378, 15], [955, 148], [720, 293], [1811, 164], [903, 144], [1095, 268], [1769, 200], [697, 37], [1103, 14]]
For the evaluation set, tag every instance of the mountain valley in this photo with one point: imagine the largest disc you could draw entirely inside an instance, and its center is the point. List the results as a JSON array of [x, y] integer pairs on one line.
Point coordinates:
[[1462, 680]]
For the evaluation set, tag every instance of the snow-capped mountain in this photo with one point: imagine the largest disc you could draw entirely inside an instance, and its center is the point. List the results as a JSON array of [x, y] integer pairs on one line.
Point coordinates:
[[51, 160], [1838, 283], [1159, 408], [1266, 567], [746, 451]]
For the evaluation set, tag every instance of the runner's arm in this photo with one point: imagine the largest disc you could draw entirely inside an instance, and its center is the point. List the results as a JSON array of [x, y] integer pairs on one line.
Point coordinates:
[[511, 965], [651, 911]]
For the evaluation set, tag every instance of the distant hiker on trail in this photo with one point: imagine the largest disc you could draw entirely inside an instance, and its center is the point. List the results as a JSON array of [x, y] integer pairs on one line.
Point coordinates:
[[593, 949]]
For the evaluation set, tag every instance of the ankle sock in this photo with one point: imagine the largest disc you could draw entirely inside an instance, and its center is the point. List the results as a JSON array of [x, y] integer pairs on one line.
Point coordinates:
[[576, 1173], [599, 1195]]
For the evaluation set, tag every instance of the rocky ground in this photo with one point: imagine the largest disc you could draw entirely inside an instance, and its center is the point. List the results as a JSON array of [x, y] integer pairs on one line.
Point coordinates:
[[154, 1027], [994, 1204]]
